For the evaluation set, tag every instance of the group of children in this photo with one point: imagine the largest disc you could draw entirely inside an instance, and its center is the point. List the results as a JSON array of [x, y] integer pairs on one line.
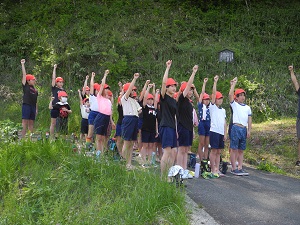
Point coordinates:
[[163, 119]]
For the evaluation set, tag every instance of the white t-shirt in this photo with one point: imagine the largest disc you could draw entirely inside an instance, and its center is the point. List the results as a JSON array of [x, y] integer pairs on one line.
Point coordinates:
[[130, 106], [84, 111], [217, 119], [93, 103], [240, 113]]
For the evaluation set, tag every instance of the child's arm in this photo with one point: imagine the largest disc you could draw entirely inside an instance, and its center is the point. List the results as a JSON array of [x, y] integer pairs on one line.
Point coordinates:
[[249, 126], [196, 94], [23, 71], [103, 82], [120, 86], [92, 83], [232, 86], [165, 78], [144, 90], [190, 81], [80, 98], [214, 90], [293, 77], [135, 77], [203, 89], [50, 103], [225, 129], [146, 94], [85, 85], [54, 75], [156, 98]]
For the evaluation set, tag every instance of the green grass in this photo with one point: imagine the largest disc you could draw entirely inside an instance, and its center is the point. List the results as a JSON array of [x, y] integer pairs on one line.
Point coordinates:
[[47, 183]]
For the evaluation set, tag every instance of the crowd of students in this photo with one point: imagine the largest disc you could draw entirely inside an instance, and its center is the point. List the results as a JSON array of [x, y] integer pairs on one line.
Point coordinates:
[[163, 119]]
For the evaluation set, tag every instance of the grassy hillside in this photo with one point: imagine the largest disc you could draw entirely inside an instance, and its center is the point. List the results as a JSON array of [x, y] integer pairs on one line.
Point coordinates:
[[139, 36]]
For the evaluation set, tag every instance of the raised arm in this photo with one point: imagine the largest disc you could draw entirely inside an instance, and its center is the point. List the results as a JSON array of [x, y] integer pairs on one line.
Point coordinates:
[[92, 83], [196, 94], [231, 91], [190, 81], [135, 77], [85, 85], [23, 71], [146, 94], [165, 78], [214, 90], [54, 75], [156, 98], [103, 82], [203, 89], [144, 90], [294, 78], [80, 98]]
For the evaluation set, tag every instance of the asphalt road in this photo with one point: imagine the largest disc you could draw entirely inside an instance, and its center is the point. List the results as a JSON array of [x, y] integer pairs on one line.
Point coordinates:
[[260, 198]]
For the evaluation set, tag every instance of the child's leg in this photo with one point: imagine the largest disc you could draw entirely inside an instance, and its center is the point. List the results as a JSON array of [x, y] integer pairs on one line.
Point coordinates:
[[212, 158], [200, 147], [144, 152], [167, 161], [240, 158], [24, 127], [180, 156], [119, 144], [218, 156], [127, 152], [52, 127], [206, 143]]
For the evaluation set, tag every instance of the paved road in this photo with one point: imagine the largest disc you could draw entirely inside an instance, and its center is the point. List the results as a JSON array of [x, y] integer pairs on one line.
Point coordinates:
[[261, 198]]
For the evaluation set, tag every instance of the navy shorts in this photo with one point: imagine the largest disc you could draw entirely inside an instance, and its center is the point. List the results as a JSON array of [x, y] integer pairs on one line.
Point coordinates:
[[92, 116], [238, 137], [84, 126], [28, 112], [118, 130], [140, 123], [216, 140], [168, 137], [229, 130], [185, 136], [204, 127], [54, 113], [130, 128], [148, 137], [101, 124]]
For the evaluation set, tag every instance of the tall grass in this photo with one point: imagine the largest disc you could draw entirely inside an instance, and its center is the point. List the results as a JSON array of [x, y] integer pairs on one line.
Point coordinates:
[[47, 183]]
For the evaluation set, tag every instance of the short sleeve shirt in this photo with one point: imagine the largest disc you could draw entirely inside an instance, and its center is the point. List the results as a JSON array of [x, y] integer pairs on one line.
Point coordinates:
[[185, 112], [168, 108], [60, 106], [217, 119], [149, 119], [55, 91], [240, 113], [29, 95]]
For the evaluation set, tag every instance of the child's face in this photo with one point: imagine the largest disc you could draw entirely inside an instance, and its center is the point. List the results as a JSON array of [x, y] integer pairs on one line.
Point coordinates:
[[190, 93], [241, 98], [31, 82], [87, 104], [171, 89], [219, 101], [150, 101], [59, 84], [63, 99], [205, 101]]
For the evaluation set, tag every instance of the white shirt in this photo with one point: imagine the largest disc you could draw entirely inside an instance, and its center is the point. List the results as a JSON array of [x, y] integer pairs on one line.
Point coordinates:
[[93, 103], [130, 106], [217, 119], [240, 113], [84, 111]]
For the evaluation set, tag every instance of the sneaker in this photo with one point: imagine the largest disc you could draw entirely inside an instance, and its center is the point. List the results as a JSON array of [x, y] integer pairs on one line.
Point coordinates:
[[243, 172], [298, 163], [237, 172], [221, 174]]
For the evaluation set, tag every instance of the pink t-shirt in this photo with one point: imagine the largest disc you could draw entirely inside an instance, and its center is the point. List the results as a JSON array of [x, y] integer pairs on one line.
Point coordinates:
[[104, 105]]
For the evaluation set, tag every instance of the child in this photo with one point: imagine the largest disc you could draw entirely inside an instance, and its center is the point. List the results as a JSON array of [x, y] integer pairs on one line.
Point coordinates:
[[241, 128], [101, 121], [185, 122], [296, 85], [119, 140], [148, 128], [131, 110], [204, 122], [85, 110], [217, 133], [94, 89], [63, 109], [29, 106], [57, 86], [167, 129]]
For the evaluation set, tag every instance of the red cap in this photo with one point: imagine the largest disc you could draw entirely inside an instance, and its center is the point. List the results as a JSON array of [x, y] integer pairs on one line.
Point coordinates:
[[205, 96], [29, 77], [183, 86], [109, 93], [126, 86], [62, 94], [150, 96], [86, 88], [84, 100], [171, 81], [219, 95], [59, 79], [106, 86], [97, 86], [239, 91]]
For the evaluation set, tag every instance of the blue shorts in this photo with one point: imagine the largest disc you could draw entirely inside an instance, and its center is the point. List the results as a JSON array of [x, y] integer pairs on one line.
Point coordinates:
[[130, 128], [54, 113], [229, 130], [216, 140], [28, 112], [118, 130], [92, 116], [148, 137], [238, 137], [84, 128], [204, 127], [168, 137], [140, 123], [185, 137], [101, 124]]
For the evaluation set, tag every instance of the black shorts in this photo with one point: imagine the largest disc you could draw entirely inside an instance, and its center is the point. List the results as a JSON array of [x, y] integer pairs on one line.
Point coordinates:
[[84, 126]]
